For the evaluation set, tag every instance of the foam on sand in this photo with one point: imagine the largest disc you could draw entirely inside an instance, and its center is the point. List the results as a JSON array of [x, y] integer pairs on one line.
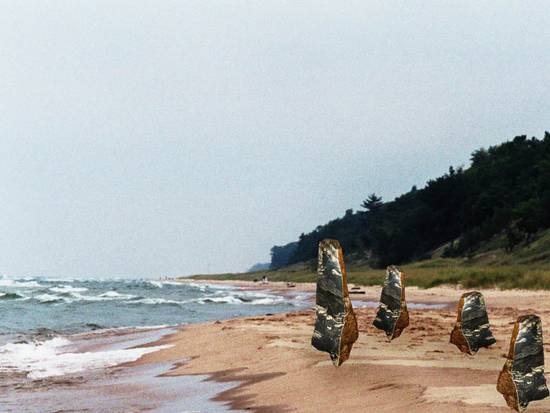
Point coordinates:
[[54, 357]]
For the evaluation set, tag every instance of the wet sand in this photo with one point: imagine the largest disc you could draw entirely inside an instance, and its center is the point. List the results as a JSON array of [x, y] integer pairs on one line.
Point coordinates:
[[119, 389], [266, 363], [277, 370]]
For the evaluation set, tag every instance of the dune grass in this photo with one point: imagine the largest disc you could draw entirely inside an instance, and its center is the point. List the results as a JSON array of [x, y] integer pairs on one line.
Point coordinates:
[[526, 267], [424, 274]]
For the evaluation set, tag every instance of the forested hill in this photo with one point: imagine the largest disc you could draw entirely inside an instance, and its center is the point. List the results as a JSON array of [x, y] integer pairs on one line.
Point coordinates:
[[504, 195]]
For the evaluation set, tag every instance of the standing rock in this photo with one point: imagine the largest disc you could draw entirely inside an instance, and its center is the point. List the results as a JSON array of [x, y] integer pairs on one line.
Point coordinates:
[[471, 331], [336, 325], [522, 377], [392, 316]]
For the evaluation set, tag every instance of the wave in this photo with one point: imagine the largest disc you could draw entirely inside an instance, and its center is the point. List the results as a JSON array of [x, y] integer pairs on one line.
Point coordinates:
[[250, 298], [58, 280], [160, 284], [176, 283], [50, 298], [115, 295], [106, 296], [53, 357], [137, 300], [218, 286], [100, 330], [221, 300], [72, 297], [67, 289], [128, 292], [19, 284], [243, 300], [156, 301], [10, 296]]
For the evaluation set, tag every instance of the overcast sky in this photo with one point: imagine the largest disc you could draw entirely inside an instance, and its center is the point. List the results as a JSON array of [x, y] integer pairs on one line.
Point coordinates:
[[152, 138]]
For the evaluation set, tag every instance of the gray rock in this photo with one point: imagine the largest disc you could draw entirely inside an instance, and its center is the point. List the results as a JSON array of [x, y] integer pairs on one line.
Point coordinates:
[[471, 331], [522, 377], [336, 326], [392, 316]]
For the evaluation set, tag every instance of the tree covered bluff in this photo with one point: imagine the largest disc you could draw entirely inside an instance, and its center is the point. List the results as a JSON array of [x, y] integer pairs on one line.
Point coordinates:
[[504, 194]]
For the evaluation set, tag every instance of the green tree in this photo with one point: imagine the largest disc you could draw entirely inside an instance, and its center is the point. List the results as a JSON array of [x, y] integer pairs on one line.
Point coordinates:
[[505, 192], [372, 203]]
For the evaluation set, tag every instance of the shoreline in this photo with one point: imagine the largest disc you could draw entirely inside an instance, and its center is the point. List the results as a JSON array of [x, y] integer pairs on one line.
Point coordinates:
[[265, 363], [271, 357], [84, 364], [113, 387]]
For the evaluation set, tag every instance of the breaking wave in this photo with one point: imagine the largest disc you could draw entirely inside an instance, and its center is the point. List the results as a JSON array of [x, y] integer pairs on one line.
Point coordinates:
[[45, 319], [67, 289], [49, 298], [257, 299], [10, 296], [55, 306], [56, 357], [19, 284]]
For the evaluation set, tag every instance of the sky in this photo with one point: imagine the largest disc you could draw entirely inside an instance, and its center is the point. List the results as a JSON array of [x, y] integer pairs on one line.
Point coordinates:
[[163, 138]]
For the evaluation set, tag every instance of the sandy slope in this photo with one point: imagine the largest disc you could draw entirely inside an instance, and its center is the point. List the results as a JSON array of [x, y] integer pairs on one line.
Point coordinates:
[[418, 372]]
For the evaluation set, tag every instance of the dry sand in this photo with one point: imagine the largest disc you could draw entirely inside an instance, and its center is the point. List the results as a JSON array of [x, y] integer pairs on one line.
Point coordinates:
[[279, 371]]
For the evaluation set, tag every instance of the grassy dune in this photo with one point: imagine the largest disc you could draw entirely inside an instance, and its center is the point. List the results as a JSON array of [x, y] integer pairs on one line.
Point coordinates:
[[424, 274], [528, 267]]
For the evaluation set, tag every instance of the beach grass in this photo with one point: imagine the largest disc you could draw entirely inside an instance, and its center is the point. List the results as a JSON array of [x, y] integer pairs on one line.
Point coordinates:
[[526, 267], [424, 274]]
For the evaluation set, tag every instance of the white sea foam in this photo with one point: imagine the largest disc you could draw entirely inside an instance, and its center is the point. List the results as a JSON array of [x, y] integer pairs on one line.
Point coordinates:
[[204, 286], [126, 329], [222, 300], [75, 296], [248, 297], [54, 358], [107, 296], [221, 286], [113, 295], [172, 283], [68, 289], [201, 287], [268, 301], [50, 298], [59, 280], [110, 294], [153, 301], [19, 284]]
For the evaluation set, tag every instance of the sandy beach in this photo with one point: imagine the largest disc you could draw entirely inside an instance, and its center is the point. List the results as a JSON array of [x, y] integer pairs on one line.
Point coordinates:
[[277, 370]]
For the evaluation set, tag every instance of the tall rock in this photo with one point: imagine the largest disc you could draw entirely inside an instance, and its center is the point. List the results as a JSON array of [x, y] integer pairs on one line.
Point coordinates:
[[471, 331], [522, 377], [336, 326], [392, 316]]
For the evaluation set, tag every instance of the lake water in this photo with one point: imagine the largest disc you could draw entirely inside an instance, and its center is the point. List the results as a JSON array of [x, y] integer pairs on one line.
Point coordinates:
[[54, 332]]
